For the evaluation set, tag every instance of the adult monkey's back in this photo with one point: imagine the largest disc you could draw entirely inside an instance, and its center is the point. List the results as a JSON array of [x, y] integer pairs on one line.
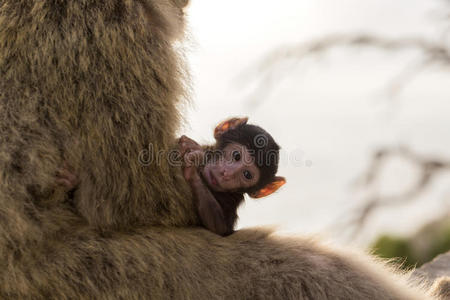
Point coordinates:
[[94, 83]]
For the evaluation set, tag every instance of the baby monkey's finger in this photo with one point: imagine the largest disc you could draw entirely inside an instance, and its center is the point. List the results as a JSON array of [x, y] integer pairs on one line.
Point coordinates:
[[63, 172], [182, 139], [66, 184], [66, 178]]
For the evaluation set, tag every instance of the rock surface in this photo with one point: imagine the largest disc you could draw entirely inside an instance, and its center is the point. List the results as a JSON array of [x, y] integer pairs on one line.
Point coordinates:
[[438, 267]]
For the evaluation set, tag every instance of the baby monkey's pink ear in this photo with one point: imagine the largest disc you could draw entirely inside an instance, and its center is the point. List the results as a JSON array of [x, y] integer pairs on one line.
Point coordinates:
[[227, 125], [269, 188]]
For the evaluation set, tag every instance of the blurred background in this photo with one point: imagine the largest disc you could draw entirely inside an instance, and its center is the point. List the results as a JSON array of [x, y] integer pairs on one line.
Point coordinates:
[[357, 93]]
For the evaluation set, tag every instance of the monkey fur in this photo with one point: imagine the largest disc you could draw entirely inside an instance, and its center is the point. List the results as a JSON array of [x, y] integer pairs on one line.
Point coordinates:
[[441, 288], [95, 83]]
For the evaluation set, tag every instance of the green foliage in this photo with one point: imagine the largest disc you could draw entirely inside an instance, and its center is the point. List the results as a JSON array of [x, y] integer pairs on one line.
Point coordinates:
[[416, 250], [394, 247], [442, 243]]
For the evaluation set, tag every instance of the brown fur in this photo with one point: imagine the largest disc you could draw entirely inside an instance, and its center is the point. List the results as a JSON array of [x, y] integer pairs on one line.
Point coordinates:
[[94, 82], [441, 288], [183, 263]]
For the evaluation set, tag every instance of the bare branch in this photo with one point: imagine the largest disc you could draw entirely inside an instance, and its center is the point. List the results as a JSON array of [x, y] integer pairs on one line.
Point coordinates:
[[428, 168], [435, 53]]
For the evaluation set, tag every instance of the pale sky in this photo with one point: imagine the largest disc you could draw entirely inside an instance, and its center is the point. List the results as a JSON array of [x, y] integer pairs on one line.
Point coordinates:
[[330, 112]]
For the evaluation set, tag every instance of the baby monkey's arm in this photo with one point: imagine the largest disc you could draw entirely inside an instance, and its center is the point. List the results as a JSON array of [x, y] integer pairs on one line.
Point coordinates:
[[209, 210]]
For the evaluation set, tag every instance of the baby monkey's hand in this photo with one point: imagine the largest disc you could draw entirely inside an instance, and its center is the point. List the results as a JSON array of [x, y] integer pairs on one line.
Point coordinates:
[[67, 178], [187, 145]]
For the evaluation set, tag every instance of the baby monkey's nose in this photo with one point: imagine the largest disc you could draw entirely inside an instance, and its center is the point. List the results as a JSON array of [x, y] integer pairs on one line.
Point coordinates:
[[226, 174]]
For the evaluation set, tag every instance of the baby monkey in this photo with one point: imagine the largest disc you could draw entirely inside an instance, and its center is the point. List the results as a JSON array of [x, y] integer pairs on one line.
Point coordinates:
[[243, 160]]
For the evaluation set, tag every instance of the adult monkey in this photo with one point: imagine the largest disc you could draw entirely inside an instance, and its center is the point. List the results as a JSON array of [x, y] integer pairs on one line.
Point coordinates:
[[106, 76], [95, 82]]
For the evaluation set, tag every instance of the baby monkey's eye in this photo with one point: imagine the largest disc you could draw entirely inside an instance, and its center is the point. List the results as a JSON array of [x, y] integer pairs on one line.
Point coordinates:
[[248, 175], [236, 155]]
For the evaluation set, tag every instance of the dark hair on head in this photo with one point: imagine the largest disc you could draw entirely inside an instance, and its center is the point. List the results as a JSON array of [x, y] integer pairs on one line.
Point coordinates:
[[262, 147]]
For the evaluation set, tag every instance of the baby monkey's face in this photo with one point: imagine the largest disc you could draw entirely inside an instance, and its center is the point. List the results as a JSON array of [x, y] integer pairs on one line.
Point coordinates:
[[234, 170]]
